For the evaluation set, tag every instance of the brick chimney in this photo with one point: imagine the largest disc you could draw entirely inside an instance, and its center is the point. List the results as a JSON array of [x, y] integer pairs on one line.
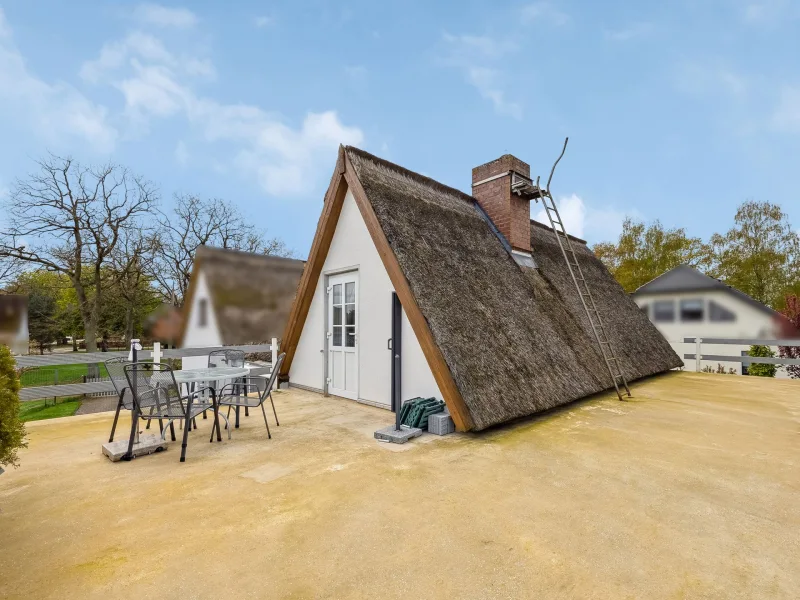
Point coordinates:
[[511, 214]]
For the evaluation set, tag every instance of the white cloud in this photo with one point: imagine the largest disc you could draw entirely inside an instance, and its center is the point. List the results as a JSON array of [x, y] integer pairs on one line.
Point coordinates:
[[155, 85], [487, 82], [55, 111], [142, 46], [182, 153], [545, 11], [263, 21], [770, 12], [164, 16], [477, 57], [786, 117], [586, 222], [701, 79], [630, 32]]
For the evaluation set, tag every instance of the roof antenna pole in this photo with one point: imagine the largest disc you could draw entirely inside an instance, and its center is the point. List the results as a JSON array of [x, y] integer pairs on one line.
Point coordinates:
[[584, 293]]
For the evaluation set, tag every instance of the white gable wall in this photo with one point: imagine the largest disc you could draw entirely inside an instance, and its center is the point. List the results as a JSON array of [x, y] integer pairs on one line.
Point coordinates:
[[750, 323], [197, 336], [352, 249]]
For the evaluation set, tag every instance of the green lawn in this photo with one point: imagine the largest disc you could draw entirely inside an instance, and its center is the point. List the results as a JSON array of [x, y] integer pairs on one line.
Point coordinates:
[[35, 410], [66, 374]]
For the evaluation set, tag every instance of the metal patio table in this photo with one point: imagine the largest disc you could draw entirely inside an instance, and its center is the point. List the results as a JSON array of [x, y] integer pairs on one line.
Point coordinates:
[[211, 375]]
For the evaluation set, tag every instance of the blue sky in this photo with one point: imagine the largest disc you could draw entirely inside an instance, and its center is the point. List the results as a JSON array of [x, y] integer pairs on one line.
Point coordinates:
[[676, 111]]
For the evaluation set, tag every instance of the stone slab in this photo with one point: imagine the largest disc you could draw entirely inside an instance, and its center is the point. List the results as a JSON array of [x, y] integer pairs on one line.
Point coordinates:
[[441, 424], [390, 434], [147, 444]]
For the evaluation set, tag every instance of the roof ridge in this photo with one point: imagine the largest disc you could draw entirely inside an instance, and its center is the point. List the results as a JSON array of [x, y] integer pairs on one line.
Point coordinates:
[[423, 179], [206, 249]]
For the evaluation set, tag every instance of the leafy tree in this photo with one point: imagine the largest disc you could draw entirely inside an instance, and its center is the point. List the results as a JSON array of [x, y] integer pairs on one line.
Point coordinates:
[[196, 222], [68, 219], [760, 254], [761, 369], [792, 312], [12, 431], [643, 252], [42, 327]]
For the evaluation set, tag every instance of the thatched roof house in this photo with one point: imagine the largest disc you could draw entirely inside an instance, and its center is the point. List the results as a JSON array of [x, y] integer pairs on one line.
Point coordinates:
[[238, 297], [492, 322]]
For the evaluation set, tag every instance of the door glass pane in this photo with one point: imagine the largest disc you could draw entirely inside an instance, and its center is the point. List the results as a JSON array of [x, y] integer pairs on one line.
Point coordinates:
[[349, 314], [337, 315], [350, 337], [337, 336], [350, 292], [337, 293]]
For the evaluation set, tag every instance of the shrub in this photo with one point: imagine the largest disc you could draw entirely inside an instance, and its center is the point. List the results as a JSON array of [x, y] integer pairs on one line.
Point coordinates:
[[761, 369], [12, 431]]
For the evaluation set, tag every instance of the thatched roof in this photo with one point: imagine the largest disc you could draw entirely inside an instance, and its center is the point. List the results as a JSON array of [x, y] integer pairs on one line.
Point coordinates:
[[515, 340], [251, 294]]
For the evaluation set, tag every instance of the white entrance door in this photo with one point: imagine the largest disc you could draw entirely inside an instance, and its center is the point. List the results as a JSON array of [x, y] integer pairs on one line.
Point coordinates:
[[343, 335]]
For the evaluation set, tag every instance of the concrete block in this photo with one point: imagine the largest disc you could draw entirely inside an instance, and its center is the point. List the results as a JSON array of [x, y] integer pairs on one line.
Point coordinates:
[[441, 424], [390, 434], [147, 444]]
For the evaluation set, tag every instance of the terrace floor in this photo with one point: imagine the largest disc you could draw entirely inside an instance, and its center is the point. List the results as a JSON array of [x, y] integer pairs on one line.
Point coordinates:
[[688, 490]]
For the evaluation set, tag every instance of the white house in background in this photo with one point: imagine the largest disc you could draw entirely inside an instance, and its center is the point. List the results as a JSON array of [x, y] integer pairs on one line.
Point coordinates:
[[14, 322], [236, 298], [686, 303]]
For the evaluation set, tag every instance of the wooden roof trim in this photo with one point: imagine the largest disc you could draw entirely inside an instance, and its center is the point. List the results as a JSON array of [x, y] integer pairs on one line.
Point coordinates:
[[436, 362], [188, 299], [332, 208]]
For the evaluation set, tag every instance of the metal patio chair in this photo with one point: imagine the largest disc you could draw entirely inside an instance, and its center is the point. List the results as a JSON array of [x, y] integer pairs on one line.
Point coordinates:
[[115, 368], [228, 358], [156, 395], [237, 394]]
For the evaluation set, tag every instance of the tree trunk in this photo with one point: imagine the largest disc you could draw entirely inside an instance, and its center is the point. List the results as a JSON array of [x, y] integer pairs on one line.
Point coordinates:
[[74, 341]]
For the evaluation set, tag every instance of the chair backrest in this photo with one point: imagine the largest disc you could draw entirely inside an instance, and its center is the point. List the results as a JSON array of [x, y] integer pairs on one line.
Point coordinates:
[[226, 358], [153, 386], [273, 376], [116, 371]]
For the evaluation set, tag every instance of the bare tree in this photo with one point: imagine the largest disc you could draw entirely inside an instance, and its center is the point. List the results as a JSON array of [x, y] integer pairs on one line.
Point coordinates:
[[196, 222], [69, 218], [131, 262]]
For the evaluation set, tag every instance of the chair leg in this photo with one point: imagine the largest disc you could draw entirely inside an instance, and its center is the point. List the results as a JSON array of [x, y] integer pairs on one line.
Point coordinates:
[[246, 411], [263, 412], [186, 432], [273, 409], [160, 424], [216, 417], [116, 418], [134, 423], [228, 416], [172, 430]]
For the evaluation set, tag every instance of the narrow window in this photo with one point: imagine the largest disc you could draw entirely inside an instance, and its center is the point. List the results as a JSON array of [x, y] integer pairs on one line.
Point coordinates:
[[664, 311], [692, 310], [202, 307], [719, 314]]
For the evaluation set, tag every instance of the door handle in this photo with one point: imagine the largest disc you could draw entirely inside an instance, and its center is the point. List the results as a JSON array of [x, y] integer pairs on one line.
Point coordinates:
[[389, 344]]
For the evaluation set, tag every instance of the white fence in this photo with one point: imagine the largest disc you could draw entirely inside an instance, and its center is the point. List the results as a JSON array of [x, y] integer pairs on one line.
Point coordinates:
[[104, 386], [698, 355]]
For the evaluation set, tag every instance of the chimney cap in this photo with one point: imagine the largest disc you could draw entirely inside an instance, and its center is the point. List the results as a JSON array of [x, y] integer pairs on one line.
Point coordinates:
[[507, 162]]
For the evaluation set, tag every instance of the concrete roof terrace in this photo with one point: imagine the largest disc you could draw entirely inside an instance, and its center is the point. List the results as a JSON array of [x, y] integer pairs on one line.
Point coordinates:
[[688, 490]]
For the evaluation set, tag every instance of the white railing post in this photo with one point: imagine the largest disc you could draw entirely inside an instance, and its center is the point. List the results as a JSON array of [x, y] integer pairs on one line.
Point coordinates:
[[274, 351], [156, 352], [697, 354]]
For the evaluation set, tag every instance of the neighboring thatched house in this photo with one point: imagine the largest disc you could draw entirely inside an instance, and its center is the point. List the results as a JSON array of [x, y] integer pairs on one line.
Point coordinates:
[[685, 303], [237, 298], [491, 321], [14, 322]]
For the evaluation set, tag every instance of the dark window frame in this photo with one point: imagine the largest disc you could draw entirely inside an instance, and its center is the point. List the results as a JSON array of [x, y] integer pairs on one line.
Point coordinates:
[[720, 314], [659, 312], [202, 317], [694, 314]]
